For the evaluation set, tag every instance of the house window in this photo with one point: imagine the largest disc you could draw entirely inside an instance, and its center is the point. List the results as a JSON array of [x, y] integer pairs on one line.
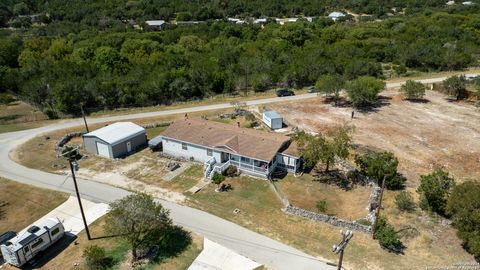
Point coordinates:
[[26, 249], [209, 152], [245, 160], [184, 146], [55, 231]]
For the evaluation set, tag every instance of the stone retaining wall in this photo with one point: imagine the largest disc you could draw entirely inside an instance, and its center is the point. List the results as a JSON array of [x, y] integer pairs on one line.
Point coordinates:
[[333, 220]]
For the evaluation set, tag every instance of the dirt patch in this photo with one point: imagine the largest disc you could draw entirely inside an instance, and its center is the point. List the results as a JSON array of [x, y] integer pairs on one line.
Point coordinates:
[[421, 135]]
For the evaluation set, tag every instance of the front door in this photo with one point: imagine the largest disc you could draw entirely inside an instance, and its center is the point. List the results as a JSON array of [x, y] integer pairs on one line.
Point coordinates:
[[27, 253], [129, 147], [225, 157]]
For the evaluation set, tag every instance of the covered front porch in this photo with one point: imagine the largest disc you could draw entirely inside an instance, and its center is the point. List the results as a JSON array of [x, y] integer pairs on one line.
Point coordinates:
[[251, 166]]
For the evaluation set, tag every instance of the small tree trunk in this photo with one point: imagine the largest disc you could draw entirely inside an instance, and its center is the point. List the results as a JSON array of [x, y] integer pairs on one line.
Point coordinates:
[[327, 166], [134, 253]]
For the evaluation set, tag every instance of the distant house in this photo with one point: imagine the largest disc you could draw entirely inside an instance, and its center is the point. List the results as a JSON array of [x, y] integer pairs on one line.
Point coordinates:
[[272, 119], [336, 15], [220, 145], [156, 24], [188, 23], [283, 21], [235, 20], [115, 140], [260, 21]]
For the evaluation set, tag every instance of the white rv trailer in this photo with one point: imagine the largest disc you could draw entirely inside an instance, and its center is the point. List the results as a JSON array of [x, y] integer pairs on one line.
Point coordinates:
[[30, 241]]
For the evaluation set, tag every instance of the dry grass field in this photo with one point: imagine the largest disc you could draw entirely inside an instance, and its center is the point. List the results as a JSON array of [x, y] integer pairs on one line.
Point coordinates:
[[422, 135], [260, 211], [305, 192], [16, 214]]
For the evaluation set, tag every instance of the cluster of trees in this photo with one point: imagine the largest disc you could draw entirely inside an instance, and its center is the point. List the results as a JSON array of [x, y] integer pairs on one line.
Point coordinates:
[[58, 66], [440, 194]]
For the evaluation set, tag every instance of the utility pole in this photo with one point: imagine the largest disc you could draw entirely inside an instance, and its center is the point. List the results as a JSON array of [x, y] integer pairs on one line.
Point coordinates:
[[340, 248], [377, 213], [83, 115], [73, 168]]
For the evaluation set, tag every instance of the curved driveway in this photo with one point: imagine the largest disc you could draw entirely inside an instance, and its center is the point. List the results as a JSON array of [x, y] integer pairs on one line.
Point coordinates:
[[262, 249]]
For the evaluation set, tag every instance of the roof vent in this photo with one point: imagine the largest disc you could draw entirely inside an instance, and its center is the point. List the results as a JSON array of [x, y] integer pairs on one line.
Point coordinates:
[[33, 229]]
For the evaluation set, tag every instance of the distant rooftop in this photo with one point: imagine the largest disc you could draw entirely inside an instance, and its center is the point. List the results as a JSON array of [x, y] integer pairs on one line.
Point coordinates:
[[155, 22], [336, 14]]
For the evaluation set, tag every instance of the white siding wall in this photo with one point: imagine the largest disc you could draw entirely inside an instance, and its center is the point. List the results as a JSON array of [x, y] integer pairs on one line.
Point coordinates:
[[267, 120], [199, 153], [274, 123]]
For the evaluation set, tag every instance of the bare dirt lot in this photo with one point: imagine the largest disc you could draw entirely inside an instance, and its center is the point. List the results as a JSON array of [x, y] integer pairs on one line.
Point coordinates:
[[423, 135]]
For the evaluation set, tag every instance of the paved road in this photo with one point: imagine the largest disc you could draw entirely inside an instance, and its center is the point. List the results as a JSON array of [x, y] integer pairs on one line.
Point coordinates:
[[262, 249], [255, 246]]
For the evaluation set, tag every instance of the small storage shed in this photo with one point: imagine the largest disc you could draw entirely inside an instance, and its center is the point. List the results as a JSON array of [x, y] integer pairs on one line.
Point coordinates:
[[115, 140], [155, 143], [272, 119]]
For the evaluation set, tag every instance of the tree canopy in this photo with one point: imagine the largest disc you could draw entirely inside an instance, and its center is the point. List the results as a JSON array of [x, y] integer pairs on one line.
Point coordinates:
[[364, 91], [314, 148], [381, 166], [94, 51], [456, 86], [463, 206], [140, 220], [434, 190]]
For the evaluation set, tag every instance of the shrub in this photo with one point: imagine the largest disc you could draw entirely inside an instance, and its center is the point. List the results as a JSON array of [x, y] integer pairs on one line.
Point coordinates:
[[230, 171], [434, 190], [380, 165], [50, 113], [413, 90], [95, 257], [463, 206], [250, 117], [404, 201], [386, 235], [456, 86], [322, 206], [217, 178], [6, 98]]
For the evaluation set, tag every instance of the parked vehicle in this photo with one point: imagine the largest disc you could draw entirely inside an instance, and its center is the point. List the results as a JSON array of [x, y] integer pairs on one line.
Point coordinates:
[[283, 92], [311, 89], [30, 241]]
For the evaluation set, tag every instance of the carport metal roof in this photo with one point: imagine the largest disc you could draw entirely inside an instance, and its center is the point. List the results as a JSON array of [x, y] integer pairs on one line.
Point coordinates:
[[116, 132]]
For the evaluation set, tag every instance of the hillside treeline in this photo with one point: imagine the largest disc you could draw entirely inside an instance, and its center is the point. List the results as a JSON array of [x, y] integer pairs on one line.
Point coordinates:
[[61, 65]]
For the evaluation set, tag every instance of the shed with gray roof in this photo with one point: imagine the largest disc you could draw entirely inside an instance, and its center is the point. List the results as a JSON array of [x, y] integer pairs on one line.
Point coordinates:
[[115, 140]]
